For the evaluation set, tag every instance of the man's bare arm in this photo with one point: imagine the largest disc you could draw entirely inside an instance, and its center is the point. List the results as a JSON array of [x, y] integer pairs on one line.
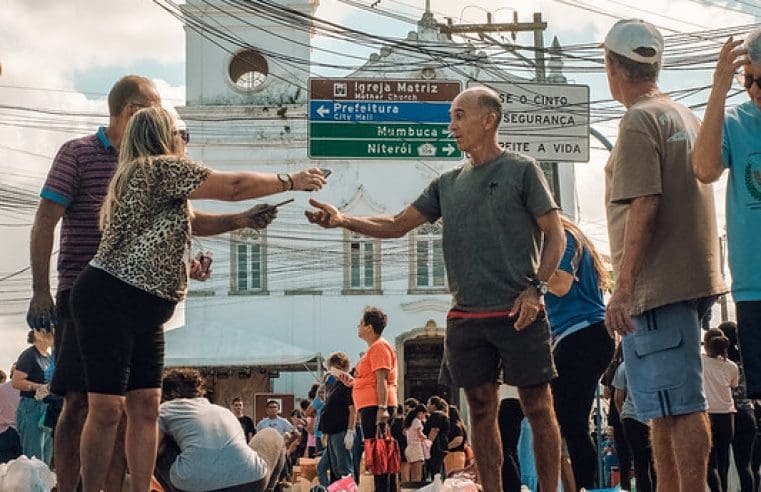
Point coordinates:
[[529, 302], [258, 217], [554, 244], [380, 226], [639, 232], [41, 311]]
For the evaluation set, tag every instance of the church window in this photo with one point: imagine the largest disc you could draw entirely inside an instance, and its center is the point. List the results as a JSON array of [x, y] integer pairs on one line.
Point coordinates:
[[427, 270], [248, 70], [362, 265], [248, 259]]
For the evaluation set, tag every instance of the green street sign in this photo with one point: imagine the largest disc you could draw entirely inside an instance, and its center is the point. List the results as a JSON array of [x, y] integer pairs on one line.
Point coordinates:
[[386, 131], [381, 119], [384, 148]]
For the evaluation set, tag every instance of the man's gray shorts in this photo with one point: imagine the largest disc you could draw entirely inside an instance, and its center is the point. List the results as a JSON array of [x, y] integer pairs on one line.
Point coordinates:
[[664, 371], [476, 349]]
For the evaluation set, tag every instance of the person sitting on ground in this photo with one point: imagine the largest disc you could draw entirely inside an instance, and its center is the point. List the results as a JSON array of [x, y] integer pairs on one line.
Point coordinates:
[[245, 421], [202, 447]]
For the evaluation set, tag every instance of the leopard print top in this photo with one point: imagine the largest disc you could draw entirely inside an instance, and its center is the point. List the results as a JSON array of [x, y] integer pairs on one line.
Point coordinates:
[[146, 241]]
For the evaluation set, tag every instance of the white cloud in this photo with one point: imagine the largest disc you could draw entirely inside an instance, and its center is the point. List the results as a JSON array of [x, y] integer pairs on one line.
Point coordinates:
[[45, 45], [53, 40]]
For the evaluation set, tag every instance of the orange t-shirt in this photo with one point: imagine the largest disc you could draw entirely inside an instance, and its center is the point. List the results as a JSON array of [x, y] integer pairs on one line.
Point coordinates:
[[380, 355]]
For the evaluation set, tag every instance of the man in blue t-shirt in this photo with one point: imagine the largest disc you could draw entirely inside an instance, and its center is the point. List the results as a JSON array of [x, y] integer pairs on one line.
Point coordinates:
[[730, 140], [273, 420]]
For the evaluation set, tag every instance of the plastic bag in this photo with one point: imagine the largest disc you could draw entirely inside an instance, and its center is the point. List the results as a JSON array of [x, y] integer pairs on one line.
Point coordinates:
[[459, 485], [434, 486], [26, 475], [346, 484]]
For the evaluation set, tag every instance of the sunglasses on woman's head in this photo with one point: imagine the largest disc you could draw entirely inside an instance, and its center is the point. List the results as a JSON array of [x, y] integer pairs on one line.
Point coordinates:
[[184, 135], [747, 80]]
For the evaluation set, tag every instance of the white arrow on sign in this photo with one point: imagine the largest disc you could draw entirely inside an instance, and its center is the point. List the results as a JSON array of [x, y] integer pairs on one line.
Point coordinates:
[[322, 111], [449, 149]]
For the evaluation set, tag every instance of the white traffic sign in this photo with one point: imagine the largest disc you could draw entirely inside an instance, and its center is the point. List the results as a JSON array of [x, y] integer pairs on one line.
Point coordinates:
[[549, 122]]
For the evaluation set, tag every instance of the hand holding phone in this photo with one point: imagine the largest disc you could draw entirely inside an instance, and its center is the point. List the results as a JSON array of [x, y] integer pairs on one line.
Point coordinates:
[[261, 215], [275, 206], [200, 268]]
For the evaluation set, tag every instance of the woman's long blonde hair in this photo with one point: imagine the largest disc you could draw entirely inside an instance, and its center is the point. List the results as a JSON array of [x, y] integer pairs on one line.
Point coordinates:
[[149, 133], [582, 243]]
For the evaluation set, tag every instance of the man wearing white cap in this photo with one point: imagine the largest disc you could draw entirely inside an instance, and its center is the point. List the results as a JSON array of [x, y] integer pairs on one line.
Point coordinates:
[[663, 240]]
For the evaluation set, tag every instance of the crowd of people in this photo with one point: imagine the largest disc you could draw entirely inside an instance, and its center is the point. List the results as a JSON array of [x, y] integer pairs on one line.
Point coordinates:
[[529, 305]]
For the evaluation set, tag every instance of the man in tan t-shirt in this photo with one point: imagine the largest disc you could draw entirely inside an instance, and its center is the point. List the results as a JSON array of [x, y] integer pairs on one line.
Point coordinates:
[[664, 246]]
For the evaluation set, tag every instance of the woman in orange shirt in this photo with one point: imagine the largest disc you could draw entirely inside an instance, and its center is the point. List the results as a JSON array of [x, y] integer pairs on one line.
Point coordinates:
[[374, 390]]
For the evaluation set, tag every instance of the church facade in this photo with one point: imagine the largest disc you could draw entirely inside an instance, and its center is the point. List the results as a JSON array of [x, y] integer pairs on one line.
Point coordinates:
[[294, 282]]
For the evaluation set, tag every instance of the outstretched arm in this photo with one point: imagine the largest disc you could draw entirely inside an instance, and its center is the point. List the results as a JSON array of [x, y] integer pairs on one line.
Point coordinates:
[[257, 217], [233, 187], [382, 227]]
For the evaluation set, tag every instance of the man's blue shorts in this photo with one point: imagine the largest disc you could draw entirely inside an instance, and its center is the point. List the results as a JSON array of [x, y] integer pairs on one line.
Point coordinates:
[[664, 371]]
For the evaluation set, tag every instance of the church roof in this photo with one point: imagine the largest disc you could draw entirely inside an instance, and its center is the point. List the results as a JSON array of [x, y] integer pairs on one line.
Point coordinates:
[[430, 55]]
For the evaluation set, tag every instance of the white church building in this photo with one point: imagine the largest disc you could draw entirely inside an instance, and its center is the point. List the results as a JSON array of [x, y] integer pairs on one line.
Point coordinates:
[[280, 297]]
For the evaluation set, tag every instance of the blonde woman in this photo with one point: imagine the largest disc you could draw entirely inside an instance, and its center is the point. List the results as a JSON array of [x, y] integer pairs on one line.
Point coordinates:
[[129, 290]]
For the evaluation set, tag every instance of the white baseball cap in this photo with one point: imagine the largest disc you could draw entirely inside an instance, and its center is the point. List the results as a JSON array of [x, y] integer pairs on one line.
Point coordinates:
[[629, 35]]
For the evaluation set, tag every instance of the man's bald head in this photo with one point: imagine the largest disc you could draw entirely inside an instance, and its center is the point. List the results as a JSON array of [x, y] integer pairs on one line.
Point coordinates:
[[486, 99]]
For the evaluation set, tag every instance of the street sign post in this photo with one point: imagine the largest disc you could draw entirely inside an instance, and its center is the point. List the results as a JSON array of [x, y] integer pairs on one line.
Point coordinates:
[[381, 119], [549, 122]]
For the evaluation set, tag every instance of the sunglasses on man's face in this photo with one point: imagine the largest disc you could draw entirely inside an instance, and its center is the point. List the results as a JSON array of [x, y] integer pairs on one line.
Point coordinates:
[[747, 80], [184, 135]]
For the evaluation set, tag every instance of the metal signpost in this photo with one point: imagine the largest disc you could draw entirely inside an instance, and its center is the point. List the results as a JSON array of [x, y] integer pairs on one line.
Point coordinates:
[[381, 119], [549, 122]]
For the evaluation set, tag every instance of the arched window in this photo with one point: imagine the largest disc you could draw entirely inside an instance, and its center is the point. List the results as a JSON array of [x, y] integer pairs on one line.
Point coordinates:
[[248, 254], [427, 268]]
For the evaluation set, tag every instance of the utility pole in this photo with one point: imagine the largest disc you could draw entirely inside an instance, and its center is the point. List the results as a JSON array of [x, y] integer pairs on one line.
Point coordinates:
[[537, 26]]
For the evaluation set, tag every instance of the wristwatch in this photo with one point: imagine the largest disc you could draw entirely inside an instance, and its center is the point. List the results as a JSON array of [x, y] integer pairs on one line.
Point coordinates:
[[285, 181], [540, 286]]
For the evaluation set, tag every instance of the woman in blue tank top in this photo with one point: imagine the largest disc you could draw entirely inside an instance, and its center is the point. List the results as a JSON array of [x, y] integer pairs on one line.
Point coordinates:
[[582, 348]]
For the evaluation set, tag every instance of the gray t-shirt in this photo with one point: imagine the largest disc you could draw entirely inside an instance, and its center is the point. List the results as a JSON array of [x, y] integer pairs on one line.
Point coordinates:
[[492, 242], [628, 411], [214, 451]]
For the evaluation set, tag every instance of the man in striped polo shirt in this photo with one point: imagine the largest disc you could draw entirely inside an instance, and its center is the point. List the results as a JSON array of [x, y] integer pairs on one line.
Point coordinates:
[[75, 186]]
